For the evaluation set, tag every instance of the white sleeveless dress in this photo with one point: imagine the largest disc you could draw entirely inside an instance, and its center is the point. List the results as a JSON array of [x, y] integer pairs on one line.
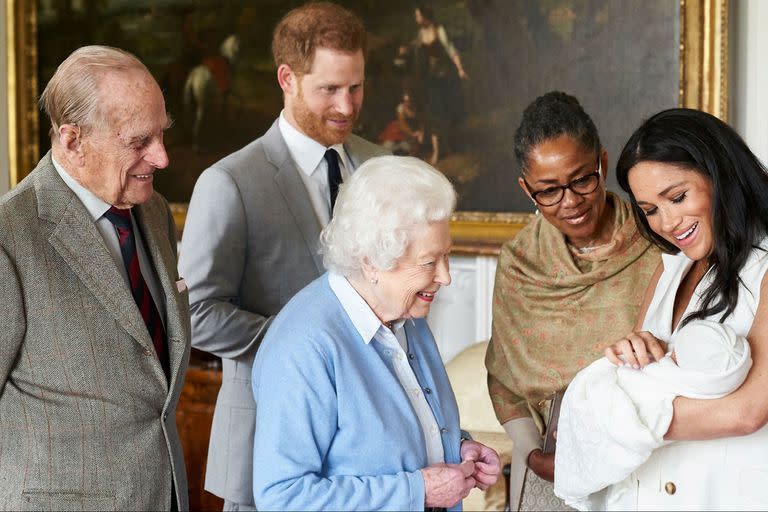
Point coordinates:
[[719, 474]]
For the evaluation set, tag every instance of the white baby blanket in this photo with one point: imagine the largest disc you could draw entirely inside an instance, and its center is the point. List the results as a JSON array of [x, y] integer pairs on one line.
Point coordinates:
[[612, 417]]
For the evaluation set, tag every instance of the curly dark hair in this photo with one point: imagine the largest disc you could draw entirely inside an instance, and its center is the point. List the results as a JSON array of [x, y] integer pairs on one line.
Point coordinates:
[[697, 141], [548, 117]]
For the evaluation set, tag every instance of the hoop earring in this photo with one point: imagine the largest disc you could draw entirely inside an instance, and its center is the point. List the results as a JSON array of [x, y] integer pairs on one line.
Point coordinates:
[[374, 281]]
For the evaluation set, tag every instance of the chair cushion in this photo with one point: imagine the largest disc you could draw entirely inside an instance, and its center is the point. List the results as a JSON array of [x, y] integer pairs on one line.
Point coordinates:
[[469, 380]]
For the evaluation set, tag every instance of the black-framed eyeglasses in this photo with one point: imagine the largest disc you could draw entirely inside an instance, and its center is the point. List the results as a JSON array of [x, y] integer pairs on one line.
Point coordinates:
[[582, 185]]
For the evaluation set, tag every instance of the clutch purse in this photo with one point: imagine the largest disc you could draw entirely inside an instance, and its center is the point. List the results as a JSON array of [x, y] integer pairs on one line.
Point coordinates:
[[554, 416]]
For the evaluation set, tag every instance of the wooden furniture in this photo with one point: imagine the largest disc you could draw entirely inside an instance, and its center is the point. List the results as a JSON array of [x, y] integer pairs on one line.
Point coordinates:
[[194, 416]]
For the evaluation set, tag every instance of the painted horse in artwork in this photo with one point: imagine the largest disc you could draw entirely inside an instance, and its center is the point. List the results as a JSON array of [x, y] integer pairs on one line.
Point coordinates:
[[210, 81]]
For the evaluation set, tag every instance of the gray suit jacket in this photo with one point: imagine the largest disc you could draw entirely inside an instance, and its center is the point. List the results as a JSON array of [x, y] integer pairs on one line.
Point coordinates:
[[87, 418], [250, 243]]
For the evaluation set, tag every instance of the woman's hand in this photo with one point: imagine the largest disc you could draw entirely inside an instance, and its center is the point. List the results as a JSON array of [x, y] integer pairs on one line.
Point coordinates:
[[543, 464], [447, 484], [487, 465], [638, 349]]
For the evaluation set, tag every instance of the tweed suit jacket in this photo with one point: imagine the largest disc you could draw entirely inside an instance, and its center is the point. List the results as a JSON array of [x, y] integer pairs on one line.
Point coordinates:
[[87, 417], [250, 243]]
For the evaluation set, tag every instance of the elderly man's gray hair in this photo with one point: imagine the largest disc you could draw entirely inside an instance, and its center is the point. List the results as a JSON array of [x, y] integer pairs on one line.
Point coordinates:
[[377, 210], [72, 96]]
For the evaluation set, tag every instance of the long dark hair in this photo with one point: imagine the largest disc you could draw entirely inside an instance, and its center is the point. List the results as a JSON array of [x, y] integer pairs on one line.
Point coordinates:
[[694, 140]]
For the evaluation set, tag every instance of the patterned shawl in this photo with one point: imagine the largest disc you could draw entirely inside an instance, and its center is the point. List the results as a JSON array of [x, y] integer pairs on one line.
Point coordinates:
[[551, 318]]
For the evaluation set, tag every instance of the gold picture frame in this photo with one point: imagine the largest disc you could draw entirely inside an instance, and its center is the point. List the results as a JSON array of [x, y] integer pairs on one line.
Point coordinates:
[[703, 84]]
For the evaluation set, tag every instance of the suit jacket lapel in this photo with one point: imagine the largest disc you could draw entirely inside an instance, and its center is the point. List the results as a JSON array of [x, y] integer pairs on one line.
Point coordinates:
[[354, 157], [155, 235], [359, 150], [78, 241], [295, 194]]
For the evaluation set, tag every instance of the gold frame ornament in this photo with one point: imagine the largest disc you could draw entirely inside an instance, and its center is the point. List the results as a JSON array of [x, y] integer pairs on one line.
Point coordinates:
[[703, 85]]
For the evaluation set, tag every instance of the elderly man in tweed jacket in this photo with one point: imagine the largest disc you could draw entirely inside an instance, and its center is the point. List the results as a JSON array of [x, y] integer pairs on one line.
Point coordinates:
[[94, 323]]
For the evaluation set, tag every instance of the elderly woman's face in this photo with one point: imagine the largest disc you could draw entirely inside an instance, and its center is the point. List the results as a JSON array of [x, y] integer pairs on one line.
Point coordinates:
[[563, 161], [407, 291]]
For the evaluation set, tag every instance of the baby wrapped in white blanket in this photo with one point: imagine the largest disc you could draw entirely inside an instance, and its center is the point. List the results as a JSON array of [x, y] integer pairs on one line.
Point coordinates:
[[612, 417]]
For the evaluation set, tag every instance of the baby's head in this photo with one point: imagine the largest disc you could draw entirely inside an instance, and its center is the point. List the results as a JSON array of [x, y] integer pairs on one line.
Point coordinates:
[[707, 346]]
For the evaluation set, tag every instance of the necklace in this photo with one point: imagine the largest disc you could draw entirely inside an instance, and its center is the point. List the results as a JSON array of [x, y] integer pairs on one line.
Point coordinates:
[[590, 248]]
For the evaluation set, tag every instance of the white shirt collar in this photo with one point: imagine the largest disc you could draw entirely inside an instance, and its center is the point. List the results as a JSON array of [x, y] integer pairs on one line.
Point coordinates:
[[363, 318], [306, 152], [95, 206]]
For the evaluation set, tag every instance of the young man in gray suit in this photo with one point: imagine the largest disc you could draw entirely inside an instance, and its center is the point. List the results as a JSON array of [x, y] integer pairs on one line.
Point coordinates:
[[94, 323], [252, 230]]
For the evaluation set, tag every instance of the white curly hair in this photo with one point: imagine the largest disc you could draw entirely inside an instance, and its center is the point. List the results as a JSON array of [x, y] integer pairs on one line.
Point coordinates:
[[377, 210]]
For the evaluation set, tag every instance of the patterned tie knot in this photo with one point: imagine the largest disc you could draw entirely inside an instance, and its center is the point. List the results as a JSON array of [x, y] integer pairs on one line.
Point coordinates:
[[120, 218]]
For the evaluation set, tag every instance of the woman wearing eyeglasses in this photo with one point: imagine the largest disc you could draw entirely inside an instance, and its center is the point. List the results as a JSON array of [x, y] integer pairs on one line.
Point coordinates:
[[568, 283]]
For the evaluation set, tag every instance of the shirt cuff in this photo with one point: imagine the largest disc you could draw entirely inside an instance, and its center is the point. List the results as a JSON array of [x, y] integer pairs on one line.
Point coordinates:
[[524, 435], [417, 490]]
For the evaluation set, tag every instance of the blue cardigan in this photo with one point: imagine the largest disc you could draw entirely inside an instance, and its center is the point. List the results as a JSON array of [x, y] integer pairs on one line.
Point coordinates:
[[334, 427]]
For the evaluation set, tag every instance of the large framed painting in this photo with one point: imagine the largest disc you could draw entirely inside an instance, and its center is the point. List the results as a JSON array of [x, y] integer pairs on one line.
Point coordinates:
[[446, 82]]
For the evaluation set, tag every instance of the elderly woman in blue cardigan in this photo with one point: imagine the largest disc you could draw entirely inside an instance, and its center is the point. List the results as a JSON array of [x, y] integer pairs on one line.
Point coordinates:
[[354, 408]]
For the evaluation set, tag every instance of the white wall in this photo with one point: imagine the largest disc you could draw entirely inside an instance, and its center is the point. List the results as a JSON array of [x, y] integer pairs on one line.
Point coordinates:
[[749, 73], [461, 313], [4, 162]]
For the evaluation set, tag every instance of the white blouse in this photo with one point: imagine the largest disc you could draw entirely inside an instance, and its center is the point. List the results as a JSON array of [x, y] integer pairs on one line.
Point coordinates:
[[719, 474]]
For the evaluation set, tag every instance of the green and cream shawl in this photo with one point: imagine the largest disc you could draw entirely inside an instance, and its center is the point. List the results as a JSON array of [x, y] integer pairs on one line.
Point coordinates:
[[554, 311]]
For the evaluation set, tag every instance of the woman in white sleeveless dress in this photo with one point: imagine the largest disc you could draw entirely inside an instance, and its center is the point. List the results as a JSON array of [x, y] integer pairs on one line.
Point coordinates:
[[701, 195]]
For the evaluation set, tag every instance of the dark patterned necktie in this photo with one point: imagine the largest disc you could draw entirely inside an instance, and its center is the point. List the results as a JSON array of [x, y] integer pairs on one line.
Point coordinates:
[[122, 222], [334, 174]]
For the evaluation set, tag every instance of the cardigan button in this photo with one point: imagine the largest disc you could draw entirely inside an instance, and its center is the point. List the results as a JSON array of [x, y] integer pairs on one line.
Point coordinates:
[[670, 487]]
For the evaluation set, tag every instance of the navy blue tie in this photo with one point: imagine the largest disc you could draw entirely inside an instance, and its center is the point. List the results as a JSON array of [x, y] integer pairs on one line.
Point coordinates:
[[334, 174]]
